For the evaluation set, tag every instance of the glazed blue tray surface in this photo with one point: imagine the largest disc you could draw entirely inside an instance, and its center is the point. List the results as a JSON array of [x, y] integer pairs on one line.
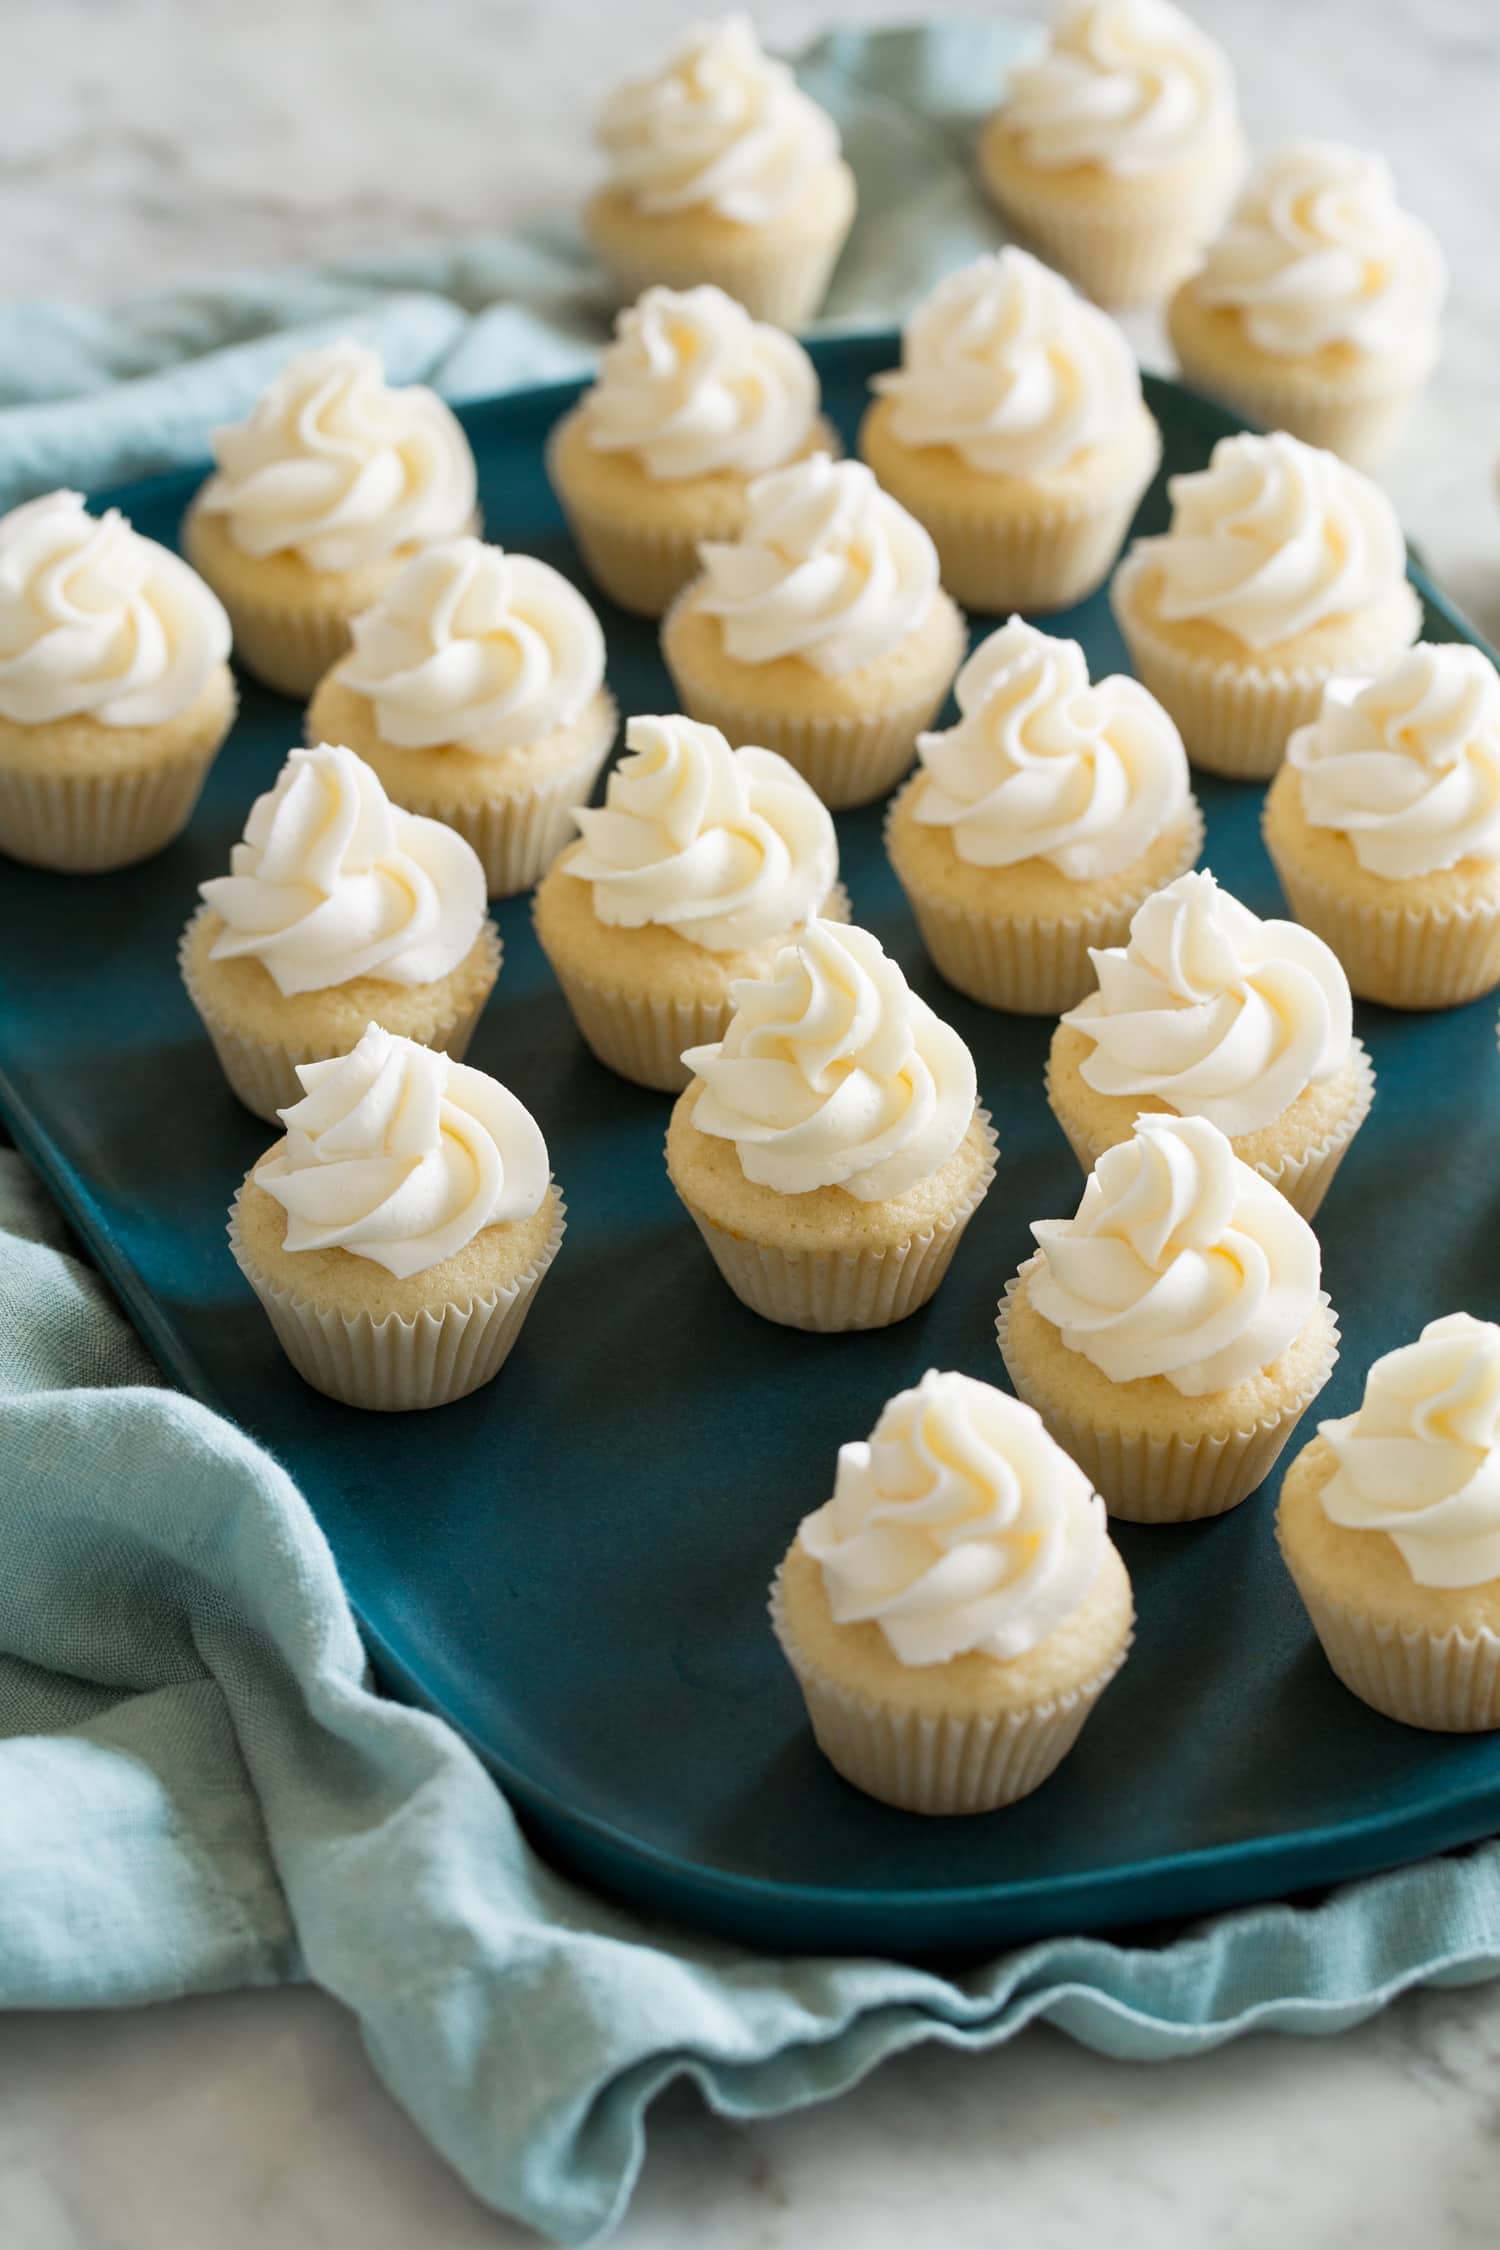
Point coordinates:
[[572, 1565]]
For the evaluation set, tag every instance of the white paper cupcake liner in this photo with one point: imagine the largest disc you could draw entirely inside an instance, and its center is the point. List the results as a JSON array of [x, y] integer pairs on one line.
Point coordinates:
[[1448, 1682], [779, 274], [830, 1291], [518, 834], [642, 569], [1180, 1479], [849, 761], [1360, 428], [264, 1077], [86, 824], [394, 1365], [1235, 719], [1034, 965], [641, 1036], [962, 1762], [1402, 956], [1304, 1178]]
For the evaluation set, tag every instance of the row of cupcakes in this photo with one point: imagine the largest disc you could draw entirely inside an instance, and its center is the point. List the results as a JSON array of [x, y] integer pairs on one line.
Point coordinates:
[[1311, 300], [955, 1610], [1033, 828], [816, 622]]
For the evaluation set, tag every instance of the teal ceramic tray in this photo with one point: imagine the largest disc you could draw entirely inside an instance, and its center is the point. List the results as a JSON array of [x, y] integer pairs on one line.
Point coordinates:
[[571, 1566]]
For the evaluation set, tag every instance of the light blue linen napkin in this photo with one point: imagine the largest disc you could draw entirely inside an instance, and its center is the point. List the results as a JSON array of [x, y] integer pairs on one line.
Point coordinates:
[[197, 1788]]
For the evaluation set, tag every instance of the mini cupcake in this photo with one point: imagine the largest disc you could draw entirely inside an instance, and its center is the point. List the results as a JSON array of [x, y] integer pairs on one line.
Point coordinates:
[[476, 691], [331, 485], [1207, 1011], [956, 1610], [1174, 1332], [339, 910], [693, 400], [720, 169], [702, 863], [1118, 152], [1015, 430], [1283, 567], [1390, 1526], [1036, 826], [1316, 310], [830, 1149], [822, 632], [397, 1234], [115, 693], [1384, 827]]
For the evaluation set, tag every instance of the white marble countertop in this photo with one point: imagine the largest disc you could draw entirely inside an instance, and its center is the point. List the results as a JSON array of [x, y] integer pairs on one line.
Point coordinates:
[[149, 140]]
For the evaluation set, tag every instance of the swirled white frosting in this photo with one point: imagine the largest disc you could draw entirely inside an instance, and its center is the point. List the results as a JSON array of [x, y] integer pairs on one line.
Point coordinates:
[[1407, 765], [1420, 1460], [400, 1155], [1181, 1262], [692, 386], [958, 1527], [1043, 766], [834, 1074], [718, 125], [828, 568], [1273, 538], [1318, 251], [477, 649], [1009, 366], [333, 882], [1129, 85], [726, 847], [1217, 1013], [97, 622], [336, 467]]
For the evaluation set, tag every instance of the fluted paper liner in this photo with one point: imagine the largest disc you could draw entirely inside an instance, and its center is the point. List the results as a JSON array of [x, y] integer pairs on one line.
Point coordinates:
[[848, 760], [641, 1035], [1028, 965], [287, 649], [1448, 1682], [1360, 426], [1304, 1178], [779, 274], [1403, 956], [393, 1365], [518, 833], [961, 1762], [829, 1291], [85, 824], [1147, 1479], [1234, 719], [642, 568], [264, 1077]]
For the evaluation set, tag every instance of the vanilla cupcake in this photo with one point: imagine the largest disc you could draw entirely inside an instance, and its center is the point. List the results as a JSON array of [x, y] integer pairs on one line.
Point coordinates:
[[822, 632], [333, 482], [1039, 823], [1384, 827], [1118, 152], [1172, 1334], [699, 866], [693, 400], [956, 1610], [1207, 1011], [339, 910], [1389, 1523], [1283, 567], [397, 1234], [720, 169], [830, 1149], [1015, 430], [476, 691], [1317, 309], [115, 692]]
